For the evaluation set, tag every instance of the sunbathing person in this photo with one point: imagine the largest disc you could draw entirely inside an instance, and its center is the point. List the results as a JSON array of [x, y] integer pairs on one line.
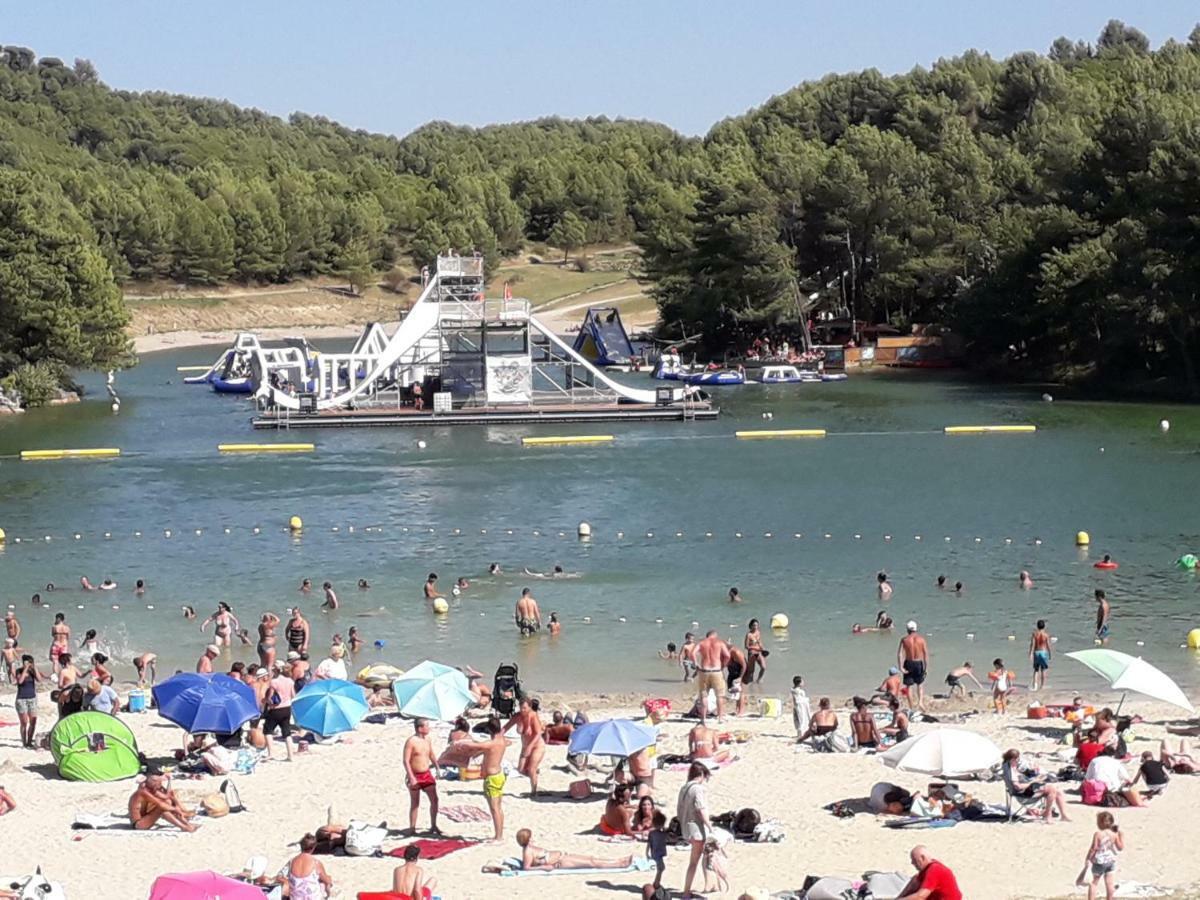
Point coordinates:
[[1181, 763], [643, 817], [862, 720], [704, 743], [410, 880], [559, 730], [824, 721], [617, 812], [533, 858], [152, 801], [304, 877], [889, 688]]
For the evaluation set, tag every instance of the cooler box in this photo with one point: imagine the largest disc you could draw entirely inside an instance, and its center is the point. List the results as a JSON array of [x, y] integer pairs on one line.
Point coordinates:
[[137, 701], [770, 707]]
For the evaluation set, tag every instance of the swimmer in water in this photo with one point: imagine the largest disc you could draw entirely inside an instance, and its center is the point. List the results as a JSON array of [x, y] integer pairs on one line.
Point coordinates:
[[735, 596], [49, 586], [356, 643], [35, 600], [108, 585], [884, 588], [958, 588], [883, 622], [1025, 581], [556, 572], [555, 626], [140, 587], [494, 569], [89, 642], [671, 653], [331, 600], [306, 586], [462, 584], [189, 612], [941, 582], [431, 591], [84, 583], [362, 585]]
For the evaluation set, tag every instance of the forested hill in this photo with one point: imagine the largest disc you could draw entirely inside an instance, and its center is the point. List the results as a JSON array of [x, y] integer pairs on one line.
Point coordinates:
[[1048, 207]]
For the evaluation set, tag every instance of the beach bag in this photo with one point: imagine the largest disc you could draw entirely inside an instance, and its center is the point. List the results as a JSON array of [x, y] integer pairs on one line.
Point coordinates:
[[215, 806], [1093, 792], [580, 790], [364, 840]]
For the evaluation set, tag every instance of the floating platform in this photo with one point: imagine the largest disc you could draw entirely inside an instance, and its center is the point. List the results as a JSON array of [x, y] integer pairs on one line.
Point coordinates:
[[522, 415]]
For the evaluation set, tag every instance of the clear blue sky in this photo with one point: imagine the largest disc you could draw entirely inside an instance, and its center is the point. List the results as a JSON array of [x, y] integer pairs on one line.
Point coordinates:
[[392, 65]]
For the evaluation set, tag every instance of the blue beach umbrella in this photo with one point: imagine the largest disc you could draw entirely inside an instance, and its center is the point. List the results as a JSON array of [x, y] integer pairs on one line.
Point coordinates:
[[614, 737], [198, 703], [329, 707], [431, 690]]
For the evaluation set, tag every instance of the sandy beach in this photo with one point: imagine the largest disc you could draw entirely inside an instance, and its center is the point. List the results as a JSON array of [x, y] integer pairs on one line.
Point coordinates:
[[362, 778], [176, 340]]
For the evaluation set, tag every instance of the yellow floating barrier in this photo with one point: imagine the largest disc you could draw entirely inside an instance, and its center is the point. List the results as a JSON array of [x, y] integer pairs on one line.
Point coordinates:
[[568, 439], [786, 433], [990, 429], [192, 368], [85, 453], [266, 448]]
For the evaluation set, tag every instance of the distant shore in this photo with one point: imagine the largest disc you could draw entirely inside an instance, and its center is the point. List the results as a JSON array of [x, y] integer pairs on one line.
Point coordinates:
[[178, 340]]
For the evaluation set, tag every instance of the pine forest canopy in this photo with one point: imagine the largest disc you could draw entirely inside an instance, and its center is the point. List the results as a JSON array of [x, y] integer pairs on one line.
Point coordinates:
[[1046, 207]]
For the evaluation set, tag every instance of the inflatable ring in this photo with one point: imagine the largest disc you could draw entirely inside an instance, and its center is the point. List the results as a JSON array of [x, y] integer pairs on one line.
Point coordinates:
[[1106, 565], [1188, 561]]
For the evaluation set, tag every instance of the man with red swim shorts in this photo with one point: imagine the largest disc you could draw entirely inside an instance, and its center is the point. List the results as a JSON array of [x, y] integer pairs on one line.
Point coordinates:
[[418, 768], [933, 880]]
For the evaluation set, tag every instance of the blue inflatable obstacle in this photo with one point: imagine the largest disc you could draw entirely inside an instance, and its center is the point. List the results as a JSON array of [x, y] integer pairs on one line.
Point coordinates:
[[602, 339]]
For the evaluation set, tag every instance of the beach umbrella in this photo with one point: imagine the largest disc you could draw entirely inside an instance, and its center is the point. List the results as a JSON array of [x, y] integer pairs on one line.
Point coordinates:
[[198, 703], [613, 737], [944, 752], [202, 886], [1132, 673], [330, 706], [431, 690]]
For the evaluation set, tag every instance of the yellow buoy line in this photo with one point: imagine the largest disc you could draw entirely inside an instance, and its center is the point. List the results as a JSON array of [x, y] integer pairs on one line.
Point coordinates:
[[782, 433], [266, 448], [568, 439], [990, 429], [80, 453]]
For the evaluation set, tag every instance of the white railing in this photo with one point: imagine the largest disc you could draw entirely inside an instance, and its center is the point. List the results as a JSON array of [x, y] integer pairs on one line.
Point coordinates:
[[460, 266]]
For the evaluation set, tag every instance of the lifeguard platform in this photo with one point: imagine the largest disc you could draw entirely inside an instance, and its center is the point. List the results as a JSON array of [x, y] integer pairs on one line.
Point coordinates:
[[460, 358]]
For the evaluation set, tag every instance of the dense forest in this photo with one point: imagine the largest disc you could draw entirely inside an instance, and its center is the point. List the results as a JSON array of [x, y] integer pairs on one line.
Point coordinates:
[[1046, 207]]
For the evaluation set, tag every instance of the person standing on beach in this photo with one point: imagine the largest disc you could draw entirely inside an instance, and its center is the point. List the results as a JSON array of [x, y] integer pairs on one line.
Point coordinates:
[[1039, 654], [60, 640], [527, 615], [418, 770], [801, 708], [884, 587], [712, 656], [533, 744], [26, 703], [493, 777], [1103, 615], [297, 632], [913, 658]]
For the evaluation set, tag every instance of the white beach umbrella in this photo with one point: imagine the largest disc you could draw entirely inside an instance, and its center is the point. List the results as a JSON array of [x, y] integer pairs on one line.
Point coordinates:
[[1132, 673], [945, 752]]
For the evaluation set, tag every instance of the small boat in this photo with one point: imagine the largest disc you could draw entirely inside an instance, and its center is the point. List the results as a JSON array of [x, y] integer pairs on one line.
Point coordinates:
[[715, 376], [231, 385], [833, 376], [786, 375]]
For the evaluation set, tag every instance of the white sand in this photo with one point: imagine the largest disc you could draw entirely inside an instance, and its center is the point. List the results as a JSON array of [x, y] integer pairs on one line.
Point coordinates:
[[363, 778]]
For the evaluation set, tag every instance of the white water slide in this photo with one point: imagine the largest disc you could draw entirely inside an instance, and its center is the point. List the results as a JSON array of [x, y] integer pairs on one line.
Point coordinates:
[[378, 361]]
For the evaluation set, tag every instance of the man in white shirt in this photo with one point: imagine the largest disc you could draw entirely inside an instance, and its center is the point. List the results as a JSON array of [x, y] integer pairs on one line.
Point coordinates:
[[332, 666], [101, 698], [1108, 769]]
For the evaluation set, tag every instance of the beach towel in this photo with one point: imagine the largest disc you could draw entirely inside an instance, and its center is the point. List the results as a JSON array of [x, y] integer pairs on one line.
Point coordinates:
[[512, 866], [434, 849], [460, 814], [921, 822], [108, 822]]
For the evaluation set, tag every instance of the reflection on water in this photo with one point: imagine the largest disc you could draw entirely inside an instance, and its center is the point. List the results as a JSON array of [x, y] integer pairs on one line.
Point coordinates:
[[886, 487]]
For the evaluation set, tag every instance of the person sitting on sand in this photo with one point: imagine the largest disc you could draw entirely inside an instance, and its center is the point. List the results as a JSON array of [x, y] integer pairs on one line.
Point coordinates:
[[897, 729], [703, 743], [559, 730], [889, 688], [617, 812], [304, 876], [409, 880], [1050, 794], [152, 801], [824, 721], [955, 677], [1118, 786], [643, 817], [380, 698], [534, 858], [862, 721]]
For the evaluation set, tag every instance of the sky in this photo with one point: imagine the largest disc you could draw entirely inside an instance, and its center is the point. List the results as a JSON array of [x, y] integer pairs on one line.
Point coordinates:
[[392, 66]]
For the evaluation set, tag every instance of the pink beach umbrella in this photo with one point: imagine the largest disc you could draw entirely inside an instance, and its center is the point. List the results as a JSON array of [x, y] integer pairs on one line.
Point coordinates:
[[202, 886]]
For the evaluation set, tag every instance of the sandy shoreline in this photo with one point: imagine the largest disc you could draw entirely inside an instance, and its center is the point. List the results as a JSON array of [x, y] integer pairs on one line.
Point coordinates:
[[179, 340], [362, 778]]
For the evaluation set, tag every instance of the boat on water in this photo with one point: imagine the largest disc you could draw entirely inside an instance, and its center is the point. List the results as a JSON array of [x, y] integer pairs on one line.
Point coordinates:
[[794, 375], [671, 368]]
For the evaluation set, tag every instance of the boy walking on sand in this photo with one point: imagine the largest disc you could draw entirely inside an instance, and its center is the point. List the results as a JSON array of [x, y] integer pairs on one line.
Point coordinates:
[[656, 846]]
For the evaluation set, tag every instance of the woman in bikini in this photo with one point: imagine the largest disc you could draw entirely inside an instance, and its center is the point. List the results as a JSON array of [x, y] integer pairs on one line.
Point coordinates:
[[643, 817], [266, 640], [539, 858], [99, 672], [225, 623], [533, 744], [755, 654]]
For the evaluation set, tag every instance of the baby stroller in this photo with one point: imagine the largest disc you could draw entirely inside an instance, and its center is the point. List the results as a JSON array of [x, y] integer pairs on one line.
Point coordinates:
[[506, 690]]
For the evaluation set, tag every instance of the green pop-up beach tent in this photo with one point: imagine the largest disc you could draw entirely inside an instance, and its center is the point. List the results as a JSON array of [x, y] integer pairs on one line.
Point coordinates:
[[94, 746]]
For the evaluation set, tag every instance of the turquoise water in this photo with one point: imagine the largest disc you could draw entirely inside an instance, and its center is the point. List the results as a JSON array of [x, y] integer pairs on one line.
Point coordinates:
[[887, 471]]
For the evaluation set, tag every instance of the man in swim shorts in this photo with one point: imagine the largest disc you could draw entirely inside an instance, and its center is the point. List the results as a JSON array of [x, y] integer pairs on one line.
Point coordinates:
[[493, 777], [527, 615], [1103, 614], [418, 769], [712, 656], [1039, 654], [913, 657]]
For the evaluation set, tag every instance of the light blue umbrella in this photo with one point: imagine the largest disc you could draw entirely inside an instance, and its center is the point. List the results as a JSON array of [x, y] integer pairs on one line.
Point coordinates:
[[431, 690], [614, 737], [329, 706]]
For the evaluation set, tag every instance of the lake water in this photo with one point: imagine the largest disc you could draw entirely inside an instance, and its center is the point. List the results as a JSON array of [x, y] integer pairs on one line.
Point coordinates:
[[979, 504]]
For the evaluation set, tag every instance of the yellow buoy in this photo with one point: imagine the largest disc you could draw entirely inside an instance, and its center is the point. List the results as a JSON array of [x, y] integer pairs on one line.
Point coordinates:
[[990, 429], [2, 536], [786, 433], [1082, 539], [84, 453], [295, 523], [1193, 639], [780, 620], [568, 439], [265, 448], [440, 605]]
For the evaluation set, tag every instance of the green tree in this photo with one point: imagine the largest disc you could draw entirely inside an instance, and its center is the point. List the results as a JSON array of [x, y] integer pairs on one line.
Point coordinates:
[[569, 233]]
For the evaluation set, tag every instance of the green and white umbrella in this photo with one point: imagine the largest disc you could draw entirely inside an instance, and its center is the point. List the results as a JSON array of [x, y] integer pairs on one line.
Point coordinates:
[[1132, 673]]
